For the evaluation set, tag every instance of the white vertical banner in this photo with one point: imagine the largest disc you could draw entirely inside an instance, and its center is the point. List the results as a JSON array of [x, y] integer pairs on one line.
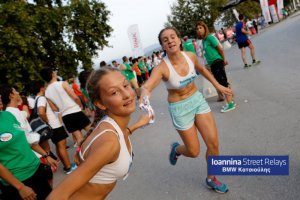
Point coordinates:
[[265, 10], [135, 40], [279, 8], [236, 14], [273, 13]]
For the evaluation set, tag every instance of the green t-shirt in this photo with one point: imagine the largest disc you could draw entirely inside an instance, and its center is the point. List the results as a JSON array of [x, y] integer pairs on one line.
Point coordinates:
[[209, 48], [15, 152], [142, 67], [189, 46], [127, 72]]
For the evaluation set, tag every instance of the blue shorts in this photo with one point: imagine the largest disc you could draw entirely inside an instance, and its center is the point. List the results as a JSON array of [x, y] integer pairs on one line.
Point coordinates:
[[183, 112]]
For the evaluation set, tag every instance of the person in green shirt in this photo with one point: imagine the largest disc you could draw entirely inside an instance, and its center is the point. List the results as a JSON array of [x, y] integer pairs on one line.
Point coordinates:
[[142, 67], [22, 176], [127, 71], [188, 45], [215, 58]]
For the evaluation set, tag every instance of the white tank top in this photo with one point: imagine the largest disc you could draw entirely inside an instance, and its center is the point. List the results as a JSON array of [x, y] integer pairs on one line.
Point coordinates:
[[58, 95], [175, 80], [119, 168]]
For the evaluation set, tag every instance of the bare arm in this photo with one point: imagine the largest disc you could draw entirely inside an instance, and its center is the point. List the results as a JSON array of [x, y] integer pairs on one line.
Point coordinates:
[[72, 94], [208, 75], [142, 121], [37, 148], [52, 105], [42, 114], [221, 52], [26, 109], [122, 67], [152, 82], [244, 31], [24, 191], [108, 147]]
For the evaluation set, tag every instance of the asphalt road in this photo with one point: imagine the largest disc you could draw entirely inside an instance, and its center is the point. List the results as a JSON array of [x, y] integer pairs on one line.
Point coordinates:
[[266, 122]]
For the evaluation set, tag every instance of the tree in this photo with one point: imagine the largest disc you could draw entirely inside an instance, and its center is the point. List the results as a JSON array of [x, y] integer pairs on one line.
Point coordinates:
[[54, 33], [185, 14], [250, 9]]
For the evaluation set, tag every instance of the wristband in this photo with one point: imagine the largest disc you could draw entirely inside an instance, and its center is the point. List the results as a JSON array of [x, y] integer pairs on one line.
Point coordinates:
[[46, 155]]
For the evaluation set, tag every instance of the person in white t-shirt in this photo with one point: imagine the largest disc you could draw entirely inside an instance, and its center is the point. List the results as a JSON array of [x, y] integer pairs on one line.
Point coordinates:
[[62, 99], [51, 118]]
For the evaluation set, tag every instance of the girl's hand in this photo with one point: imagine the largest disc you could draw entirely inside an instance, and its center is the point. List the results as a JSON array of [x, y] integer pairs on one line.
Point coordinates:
[[144, 93], [144, 120], [225, 62], [224, 90], [53, 163], [27, 193]]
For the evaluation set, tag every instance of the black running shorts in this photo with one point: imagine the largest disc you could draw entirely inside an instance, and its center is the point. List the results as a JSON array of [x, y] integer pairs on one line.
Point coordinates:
[[244, 44], [75, 121]]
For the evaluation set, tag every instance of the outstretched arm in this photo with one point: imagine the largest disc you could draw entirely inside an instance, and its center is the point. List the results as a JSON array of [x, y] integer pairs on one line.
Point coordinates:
[[152, 82], [209, 76], [142, 121]]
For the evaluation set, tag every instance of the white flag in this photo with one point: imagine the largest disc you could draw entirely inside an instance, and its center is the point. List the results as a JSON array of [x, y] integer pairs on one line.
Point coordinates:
[[265, 10], [273, 13], [279, 8], [135, 40]]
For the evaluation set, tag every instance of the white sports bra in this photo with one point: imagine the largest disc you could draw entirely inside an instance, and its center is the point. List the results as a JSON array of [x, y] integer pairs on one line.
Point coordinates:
[[175, 80], [119, 168]]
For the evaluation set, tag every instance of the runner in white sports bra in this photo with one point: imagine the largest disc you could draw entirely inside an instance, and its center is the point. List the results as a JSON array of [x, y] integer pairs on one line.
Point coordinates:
[[106, 153], [188, 109], [177, 81]]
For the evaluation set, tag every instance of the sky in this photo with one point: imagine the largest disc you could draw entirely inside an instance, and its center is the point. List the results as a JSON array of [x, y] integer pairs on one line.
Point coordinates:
[[150, 15]]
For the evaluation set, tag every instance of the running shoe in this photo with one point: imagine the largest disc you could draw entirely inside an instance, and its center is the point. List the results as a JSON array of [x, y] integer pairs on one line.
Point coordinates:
[[225, 106], [246, 66], [255, 62], [216, 185], [69, 170], [173, 157], [231, 106]]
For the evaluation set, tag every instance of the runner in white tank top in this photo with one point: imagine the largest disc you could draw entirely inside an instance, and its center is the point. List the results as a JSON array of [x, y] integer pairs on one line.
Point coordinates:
[[57, 94], [62, 98]]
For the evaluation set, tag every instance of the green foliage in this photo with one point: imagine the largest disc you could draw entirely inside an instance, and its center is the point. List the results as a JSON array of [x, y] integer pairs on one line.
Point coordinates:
[[54, 33], [185, 14], [250, 9], [228, 18]]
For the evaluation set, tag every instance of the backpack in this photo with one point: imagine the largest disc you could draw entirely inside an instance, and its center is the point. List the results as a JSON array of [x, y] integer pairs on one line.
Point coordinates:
[[38, 125]]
